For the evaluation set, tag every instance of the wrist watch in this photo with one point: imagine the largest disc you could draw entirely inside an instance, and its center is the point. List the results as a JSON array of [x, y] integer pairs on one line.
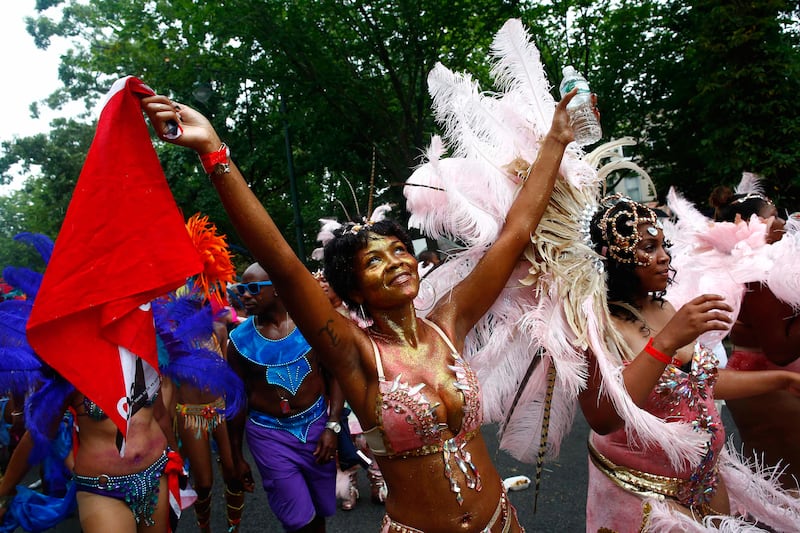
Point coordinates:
[[336, 427]]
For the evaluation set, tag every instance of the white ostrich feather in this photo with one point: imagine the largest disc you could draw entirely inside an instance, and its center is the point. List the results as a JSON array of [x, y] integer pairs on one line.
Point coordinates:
[[721, 257], [517, 440], [471, 206], [379, 213], [749, 184], [471, 127], [517, 68], [435, 150], [784, 279], [327, 227], [755, 491], [664, 517], [546, 322]]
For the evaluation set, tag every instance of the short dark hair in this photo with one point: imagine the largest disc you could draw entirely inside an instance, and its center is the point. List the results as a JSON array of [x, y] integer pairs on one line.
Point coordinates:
[[728, 204], [340, 253]]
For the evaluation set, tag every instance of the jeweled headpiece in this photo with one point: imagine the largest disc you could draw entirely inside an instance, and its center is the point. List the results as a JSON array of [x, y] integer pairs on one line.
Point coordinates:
[[752, 196], [619, 227]]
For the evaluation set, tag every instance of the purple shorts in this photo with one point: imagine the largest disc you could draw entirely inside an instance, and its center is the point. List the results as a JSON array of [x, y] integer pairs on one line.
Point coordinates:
[[297, 487]]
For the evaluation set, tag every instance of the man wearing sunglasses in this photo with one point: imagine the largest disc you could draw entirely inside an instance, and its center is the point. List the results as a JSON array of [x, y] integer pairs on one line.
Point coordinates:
[[293, 409]]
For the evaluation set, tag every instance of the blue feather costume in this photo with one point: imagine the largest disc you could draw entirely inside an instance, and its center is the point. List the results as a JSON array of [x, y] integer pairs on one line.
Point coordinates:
[[182, 324]]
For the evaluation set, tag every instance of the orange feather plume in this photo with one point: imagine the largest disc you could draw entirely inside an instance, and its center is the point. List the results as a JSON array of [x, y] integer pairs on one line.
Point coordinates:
[[218, 270]]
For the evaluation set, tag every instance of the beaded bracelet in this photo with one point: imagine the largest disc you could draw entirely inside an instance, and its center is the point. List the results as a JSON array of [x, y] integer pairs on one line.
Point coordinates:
[[216, 163], [660, 356]]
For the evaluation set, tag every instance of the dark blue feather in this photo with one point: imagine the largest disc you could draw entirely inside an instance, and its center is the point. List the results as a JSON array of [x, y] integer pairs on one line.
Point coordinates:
[[43, 409], [185, 327], [42, 243], [205, 370], [14, 315], [20, 367]]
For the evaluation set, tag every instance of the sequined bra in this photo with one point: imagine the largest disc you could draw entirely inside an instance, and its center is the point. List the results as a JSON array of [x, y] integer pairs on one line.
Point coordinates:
[[690, 396], [408, 425]]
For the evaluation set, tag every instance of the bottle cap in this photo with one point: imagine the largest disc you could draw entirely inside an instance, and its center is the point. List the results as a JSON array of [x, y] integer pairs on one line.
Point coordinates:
[[569, 70]]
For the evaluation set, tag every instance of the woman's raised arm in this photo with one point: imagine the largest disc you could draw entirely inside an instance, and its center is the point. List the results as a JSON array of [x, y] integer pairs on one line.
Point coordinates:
[[477, 292], [332, 335]]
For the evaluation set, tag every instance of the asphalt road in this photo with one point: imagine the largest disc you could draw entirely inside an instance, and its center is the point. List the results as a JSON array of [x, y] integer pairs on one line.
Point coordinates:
[[561, 504]]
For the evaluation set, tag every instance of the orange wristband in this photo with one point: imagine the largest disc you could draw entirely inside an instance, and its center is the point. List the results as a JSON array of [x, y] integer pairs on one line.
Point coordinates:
[[660, 356]]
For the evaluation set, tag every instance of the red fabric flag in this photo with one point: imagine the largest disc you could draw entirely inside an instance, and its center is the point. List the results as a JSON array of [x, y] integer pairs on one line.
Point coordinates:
[[123, 243]]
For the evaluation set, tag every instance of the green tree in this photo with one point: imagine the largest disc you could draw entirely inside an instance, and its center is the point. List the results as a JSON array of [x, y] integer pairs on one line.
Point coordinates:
[[51, 162], [346, 78], [737, 109], [706, 87]]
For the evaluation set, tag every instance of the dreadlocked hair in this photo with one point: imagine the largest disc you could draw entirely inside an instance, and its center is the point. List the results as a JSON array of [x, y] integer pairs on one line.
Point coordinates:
[[340, 254]]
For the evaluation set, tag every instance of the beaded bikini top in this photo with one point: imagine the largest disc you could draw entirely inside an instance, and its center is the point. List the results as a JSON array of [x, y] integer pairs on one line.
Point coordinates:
[[689, 396], [408, 425]]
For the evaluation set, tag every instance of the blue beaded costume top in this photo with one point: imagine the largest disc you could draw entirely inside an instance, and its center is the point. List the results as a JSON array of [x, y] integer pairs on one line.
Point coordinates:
[[284, 360]]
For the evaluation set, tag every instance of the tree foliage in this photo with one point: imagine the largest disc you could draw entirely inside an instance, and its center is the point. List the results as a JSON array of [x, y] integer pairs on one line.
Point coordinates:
[[707, 88]]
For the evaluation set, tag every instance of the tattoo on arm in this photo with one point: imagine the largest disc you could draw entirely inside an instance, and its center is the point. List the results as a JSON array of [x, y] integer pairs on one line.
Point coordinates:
[[334, 337]]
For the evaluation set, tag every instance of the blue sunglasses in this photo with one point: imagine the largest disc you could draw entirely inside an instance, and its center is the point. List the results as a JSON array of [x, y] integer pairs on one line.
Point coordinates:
[[254, 287]]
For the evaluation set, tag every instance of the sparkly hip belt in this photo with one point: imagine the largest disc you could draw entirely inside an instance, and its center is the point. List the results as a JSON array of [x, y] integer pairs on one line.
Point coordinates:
[[636, 481], [139, 490], [202, 418], [649, 485]]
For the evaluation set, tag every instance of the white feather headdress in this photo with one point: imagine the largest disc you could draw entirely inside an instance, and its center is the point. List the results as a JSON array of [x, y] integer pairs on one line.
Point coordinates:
[[528, 350]]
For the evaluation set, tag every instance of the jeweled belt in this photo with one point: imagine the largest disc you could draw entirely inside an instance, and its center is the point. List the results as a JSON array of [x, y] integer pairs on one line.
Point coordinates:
[[636, 481]]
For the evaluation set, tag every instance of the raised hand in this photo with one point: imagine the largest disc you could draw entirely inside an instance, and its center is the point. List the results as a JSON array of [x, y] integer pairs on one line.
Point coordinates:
[[196, 132]]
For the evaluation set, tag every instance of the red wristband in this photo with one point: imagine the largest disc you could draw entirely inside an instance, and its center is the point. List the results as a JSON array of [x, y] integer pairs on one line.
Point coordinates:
[[217, 162], [660, 356]]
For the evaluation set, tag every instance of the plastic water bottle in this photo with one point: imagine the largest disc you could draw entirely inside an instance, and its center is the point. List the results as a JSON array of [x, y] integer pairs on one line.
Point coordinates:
[[584, 123]]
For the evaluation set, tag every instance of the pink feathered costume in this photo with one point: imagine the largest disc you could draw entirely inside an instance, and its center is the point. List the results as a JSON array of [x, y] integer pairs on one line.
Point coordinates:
[[529, 349], [624, 474]]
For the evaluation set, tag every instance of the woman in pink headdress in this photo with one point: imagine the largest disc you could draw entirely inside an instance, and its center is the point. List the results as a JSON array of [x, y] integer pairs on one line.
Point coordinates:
[[635, 486], [765, 336]]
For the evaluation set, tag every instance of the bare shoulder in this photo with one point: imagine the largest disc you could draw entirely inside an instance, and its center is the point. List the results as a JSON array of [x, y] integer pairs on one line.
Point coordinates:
[[667, 307], [444, 317], [631, 331]]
